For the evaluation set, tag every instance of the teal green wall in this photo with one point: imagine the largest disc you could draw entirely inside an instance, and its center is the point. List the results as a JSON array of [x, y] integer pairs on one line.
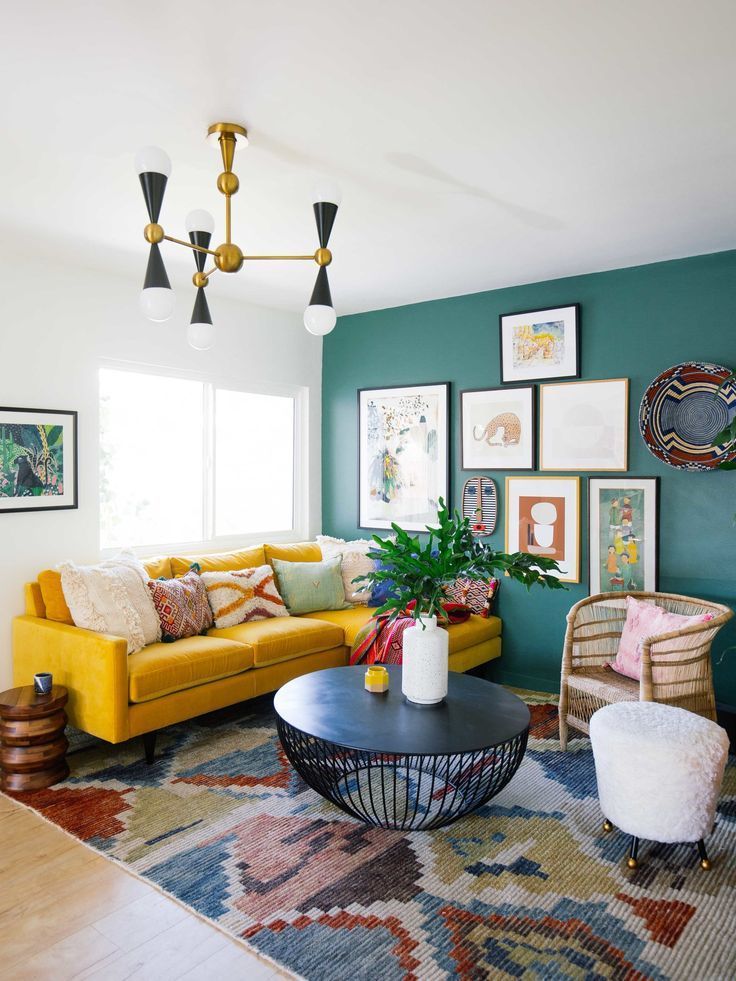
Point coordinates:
[[634, 323]]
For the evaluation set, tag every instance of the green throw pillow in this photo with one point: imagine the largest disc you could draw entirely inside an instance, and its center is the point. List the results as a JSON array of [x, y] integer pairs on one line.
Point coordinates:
[[309, 586]]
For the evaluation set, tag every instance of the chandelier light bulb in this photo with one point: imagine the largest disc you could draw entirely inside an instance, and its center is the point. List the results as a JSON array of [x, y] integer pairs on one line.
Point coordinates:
[[200, 220], [157, 303], [327, 191], [319, 319], [201, 336], [152, 160]]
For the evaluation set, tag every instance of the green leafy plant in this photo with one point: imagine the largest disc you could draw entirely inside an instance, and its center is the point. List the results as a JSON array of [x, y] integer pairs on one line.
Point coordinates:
[[727, 435], [421, 571]]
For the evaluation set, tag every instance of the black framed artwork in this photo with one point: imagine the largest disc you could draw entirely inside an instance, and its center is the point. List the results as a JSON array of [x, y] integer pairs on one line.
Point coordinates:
[[498, 428], [38, 460], [537, 345], [403, 455], [623, 533]]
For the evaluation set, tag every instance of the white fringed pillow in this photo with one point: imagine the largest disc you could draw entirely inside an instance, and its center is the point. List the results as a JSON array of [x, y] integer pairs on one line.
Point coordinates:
[[355, 562], [112, 598], [243, 595]]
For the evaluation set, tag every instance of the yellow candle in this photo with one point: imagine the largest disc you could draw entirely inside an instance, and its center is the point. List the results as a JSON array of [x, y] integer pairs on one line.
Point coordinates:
[[376, 678]]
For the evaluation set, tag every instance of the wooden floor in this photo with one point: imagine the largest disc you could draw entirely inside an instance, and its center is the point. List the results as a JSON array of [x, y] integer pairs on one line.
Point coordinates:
[[67, 912]]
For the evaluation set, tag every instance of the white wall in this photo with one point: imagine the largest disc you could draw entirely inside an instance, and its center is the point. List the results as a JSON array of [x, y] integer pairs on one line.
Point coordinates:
[[57, 321]]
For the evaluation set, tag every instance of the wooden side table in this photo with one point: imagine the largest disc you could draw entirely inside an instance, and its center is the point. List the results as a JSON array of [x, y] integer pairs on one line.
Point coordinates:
[[32, 741]]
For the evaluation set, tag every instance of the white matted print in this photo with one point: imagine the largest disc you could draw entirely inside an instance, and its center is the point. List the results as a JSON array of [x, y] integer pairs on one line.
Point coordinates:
[[539, 344], [543, 518], [623, 533], [584, 425], [498, 428], [404, 461]]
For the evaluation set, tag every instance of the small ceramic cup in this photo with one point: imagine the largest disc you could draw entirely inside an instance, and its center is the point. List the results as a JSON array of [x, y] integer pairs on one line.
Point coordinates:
[[43, 683]]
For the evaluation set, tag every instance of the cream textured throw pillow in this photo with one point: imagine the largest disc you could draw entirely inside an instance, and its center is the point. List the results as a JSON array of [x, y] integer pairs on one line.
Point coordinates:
[[112, 598], [246, 594], [355, 562]]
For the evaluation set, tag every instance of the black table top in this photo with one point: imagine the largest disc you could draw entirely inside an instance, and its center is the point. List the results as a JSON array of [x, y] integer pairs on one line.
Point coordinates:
[[333, 705]]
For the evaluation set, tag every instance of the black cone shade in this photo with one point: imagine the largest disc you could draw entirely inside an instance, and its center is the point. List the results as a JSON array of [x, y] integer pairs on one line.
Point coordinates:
[[201, 312], [153, 185], [321, 292], [156, 271], [202, 239], [324, 213]]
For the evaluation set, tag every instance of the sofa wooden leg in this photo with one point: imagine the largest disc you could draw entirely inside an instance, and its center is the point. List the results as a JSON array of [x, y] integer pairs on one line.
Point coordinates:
[[149, 745]]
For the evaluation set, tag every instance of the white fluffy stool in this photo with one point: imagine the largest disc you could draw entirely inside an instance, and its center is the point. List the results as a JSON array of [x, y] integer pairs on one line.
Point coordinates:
[[659, 771]]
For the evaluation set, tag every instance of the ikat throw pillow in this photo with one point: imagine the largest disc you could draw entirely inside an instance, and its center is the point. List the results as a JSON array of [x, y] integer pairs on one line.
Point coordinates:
[[243, 595], [181, 605], [477, 594]]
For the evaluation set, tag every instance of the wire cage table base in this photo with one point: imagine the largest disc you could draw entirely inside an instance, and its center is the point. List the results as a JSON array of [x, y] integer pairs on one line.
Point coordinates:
[[394, 785], [409, 792]]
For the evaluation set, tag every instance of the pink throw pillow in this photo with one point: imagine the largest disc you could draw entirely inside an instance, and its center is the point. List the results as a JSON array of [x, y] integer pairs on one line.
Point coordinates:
[[646, 620]]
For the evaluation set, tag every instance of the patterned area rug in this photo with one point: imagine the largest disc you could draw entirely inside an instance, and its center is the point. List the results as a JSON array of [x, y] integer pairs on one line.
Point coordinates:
[[528, 887]]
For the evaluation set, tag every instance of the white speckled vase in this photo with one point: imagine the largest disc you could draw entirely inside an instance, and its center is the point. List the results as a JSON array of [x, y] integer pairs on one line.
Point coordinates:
[[424, 662]]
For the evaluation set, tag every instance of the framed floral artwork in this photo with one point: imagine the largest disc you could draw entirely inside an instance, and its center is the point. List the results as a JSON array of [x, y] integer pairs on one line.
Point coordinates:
[[540, 344], [498, 428], [38, 460], [403, 455], [543, 518], [584, 425], [623, 533]]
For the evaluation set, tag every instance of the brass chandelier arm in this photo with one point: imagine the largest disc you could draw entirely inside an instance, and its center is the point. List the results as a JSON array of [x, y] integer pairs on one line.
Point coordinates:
[[188, 245], [249, 257]]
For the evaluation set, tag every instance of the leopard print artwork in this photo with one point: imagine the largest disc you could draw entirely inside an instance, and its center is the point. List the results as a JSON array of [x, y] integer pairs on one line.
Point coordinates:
[[503, 430]]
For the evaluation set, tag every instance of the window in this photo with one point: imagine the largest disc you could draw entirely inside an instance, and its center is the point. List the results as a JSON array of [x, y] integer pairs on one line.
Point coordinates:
[[183, 461]]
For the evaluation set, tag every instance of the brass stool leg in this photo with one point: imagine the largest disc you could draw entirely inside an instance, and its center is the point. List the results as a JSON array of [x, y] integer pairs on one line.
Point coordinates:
[[632, 861], [705, 862], [607, 826]]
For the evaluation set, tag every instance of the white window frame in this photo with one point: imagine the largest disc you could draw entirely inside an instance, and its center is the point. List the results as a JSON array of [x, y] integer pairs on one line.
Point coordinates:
[[210, 383]]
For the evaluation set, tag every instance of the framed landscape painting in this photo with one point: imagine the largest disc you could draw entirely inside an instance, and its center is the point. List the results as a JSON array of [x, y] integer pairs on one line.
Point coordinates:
[[543, 518], [403, 457], [584, 425], [38, 459], [498, 427], [623, 533], [540, 344]]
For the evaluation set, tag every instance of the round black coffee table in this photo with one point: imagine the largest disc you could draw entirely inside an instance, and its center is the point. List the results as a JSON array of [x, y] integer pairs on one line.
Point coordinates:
[[396, 765]]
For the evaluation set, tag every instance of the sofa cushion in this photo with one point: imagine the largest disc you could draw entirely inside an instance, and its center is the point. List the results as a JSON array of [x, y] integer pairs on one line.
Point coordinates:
[[283, 638], [295, 552], [309, 586], [350, 621], [474, 631], [244, 558], [161, 669], [158, 568], [53, 596]]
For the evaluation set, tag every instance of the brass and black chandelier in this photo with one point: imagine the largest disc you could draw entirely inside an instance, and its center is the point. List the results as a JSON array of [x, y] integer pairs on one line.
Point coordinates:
[[157, 299]]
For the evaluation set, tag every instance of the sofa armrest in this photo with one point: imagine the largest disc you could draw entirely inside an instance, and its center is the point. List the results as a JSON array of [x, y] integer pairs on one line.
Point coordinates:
[[92, 666]]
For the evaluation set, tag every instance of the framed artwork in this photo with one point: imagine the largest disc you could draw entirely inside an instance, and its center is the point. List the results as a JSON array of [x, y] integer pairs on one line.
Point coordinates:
[[404, 463], [543, 518], [584, 425], [38, 460], [498, 428], [623, 533], [540, 344]]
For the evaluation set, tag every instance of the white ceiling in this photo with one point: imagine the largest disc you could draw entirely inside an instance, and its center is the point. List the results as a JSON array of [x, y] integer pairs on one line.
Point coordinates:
[[478, 144]]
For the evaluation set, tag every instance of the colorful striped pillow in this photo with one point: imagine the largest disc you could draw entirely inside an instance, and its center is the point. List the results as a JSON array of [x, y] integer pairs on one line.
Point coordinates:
[[243, 595]]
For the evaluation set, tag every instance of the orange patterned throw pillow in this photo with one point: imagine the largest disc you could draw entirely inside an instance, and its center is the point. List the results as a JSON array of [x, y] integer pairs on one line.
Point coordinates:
[[246, 594]]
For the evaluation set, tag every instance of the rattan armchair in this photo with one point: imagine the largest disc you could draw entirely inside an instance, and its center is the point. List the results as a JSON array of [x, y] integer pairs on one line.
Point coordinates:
[[674, 674]]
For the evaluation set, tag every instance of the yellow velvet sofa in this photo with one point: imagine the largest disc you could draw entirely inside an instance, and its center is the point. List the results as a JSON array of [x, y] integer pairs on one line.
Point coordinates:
[[116, 696]]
